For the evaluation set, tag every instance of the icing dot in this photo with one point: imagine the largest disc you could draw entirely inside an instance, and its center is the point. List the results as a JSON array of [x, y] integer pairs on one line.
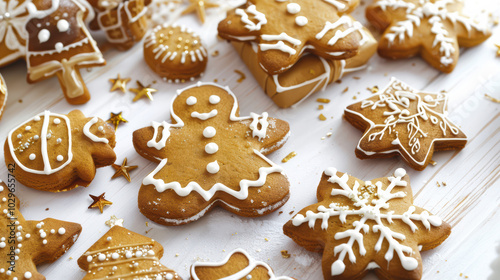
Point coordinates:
[[49, 136], [400, 172], [2, 244], [59, 46], [301, 20], [89, 258], [59, 140], [249, 277], [151, 252], [43, 35], [214, 99], [138, 254], [109, 238], [211, 148], [191, 100], [209, 132], [293, 8], [19, 135], [60, 158], [57, 121], [44, 241], [128, 254], [213, 167], [101, 257], [158, 277], [28, 128], [61, 231], [32, 157], [115, 256], [36, 137], [27, 275], [62, 25], [100, 128], [169, 276], [36, 118]]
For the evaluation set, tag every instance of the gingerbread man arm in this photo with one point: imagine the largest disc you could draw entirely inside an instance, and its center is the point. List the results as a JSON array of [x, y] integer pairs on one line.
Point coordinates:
[[276, 135]]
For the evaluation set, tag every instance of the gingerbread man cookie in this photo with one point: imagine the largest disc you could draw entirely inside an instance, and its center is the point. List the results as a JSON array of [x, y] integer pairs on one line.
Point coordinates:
[[59, 44], [402, 120], [124, 254], [123, 21], [367, 225], [435, 29], [3, 95], [25, 244], [54, 152], [282, 30], [209, 156], [237, 265]]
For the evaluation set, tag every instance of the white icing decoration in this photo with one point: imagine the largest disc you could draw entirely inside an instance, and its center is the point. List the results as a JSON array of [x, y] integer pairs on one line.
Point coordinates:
[[43, 36], [368, 211], [254, 125], [213, 167], [211, 148], [338, 5], [396, 97], [214, 99], [244, 273], [280, 45], [32, 156], [353, 26], [258, 16], [301, 20], [61, 231], [209, 132], [13, 19], [57, 121], [90, 135], [62, 25], [44, 148], [293, 8], [204, 116], [191, 100]]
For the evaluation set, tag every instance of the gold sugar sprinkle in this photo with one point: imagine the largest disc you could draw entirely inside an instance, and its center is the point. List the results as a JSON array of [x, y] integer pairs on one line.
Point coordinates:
[[266, 239], [242, 76], [215, 53], [491, 98], [321, 107], [312, 72], [147, 224], [176, 255], [289, 157], [322, 117], [354, 97], [345, 90], [215, 80], [373, 89], [323, 100], [284, 254], [433, 163], [439, 185]]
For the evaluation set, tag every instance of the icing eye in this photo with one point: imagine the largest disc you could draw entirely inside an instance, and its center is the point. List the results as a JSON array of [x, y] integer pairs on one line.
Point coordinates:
[[191, 100], [214, 99], [301, 20], [62, 25], [293, 8], [43, 35]]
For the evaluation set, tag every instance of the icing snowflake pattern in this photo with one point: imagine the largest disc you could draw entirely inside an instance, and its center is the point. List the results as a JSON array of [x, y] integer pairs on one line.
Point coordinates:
[[13, 17], [370, 202]]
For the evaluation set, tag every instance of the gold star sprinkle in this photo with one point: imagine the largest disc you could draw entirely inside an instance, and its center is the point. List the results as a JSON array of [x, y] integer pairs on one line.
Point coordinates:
[[99, 202], [119, 83], [199, 7], [143, 91], [116, 119], [123, 170]]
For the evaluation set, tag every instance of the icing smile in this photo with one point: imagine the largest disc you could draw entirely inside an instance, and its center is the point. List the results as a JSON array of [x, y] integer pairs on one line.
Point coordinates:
[[204, 116]]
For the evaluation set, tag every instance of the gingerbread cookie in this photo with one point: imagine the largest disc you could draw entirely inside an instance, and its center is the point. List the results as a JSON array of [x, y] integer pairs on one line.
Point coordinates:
[[282, 31], [124, 254], [434, 29], [3, 95], [367, 225], [402, 120], [54, 152], [310, 74], [13, 40], [237, 265], [175, 53], [25, 244], [59, 44], [123, 21], [210, 156]]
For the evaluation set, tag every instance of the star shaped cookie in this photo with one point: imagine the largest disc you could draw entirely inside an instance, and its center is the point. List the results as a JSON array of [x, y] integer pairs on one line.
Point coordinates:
[[435, 29], [25, 244], [284, 30], [367, 225], [210, 156], [402, 120]]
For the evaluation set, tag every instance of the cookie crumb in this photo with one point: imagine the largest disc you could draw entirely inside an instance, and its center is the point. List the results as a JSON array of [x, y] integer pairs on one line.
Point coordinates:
[[20, 101], [338, 81], [321, 107], [345, 90], [322, 117], [356, 78], [147, 224], [354, 97], [215, 53], [291, 212], [438, 184], [323, 100], [433, 163], [312, 72], [491, 98], [373, 89], [46, 209], [280, 212], [285, 254], [242, 76], [289, 157], [216, 80], [443, 183]]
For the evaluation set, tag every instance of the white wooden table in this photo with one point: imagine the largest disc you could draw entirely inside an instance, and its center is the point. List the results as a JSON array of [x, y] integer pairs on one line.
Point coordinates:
[[470, 201]]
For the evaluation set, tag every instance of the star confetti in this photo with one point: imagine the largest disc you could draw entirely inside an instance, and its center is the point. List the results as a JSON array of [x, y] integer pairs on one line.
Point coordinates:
[[114, 221], [143, 91], [199, 6], [116, 119], [119, 83], [123, 170], [99, 202]]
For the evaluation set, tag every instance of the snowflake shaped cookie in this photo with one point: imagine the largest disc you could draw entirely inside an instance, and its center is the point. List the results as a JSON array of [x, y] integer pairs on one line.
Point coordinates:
[[402, 120], [367, 225], [31, 242], [435, 29], [284, 30], [210, 156]]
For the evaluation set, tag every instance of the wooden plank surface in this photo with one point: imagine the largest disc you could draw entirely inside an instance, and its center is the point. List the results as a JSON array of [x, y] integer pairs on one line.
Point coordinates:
[[470, 200]]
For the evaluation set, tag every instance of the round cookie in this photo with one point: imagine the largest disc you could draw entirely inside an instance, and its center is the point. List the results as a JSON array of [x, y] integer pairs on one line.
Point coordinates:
[[175, 53], [3, 95]]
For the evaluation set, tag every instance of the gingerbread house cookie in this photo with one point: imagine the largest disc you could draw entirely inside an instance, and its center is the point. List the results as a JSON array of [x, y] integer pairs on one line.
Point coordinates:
[[55, 152], [210, 156], [295, 48], [433, 29], [124, 22], [362, 226]]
